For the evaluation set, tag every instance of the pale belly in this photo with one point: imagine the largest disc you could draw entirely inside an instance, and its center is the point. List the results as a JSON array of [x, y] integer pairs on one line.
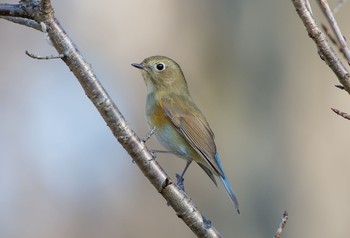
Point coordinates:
[[171, 139]]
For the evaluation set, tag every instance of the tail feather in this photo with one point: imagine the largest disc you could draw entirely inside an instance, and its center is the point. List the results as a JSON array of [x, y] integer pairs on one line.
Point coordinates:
[[230, 192], [227, 185]]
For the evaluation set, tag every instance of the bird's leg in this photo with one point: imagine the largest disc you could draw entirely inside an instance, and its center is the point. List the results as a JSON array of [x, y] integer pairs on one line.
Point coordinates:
[[206, 222], [167, 152], [154, 152], [149, 134], [180, 178]]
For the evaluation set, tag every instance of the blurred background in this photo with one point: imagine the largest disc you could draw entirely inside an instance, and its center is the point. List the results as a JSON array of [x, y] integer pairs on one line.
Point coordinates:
[[252, 70]]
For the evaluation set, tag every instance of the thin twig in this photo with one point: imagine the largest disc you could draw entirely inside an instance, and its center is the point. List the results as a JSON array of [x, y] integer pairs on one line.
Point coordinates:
[[340, 113], [282, 225], [329, 34], [339, 86], [308, 6], [334, 25], [49, 57], [23, 21], [322, 44]]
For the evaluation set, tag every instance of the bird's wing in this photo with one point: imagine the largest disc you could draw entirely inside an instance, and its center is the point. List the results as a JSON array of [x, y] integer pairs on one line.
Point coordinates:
[[190, 122]]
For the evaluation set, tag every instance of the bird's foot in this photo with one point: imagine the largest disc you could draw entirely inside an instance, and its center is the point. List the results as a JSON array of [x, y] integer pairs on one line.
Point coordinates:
[[206, 222], [154, 154], [180, 182]]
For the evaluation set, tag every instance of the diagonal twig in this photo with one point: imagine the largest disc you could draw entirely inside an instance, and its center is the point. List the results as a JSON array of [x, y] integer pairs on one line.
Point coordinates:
[[334, 25], [282, 225], [23, 21], [340, 113], [324, 47], [339, 86], [330, 36], [49, 57]]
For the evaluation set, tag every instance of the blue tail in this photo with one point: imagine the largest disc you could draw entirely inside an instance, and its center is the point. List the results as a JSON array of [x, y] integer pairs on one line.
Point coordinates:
[[227, 185]]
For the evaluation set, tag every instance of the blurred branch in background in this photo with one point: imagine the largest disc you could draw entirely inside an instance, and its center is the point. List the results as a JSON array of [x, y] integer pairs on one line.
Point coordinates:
[[338, 5], [325, 50]]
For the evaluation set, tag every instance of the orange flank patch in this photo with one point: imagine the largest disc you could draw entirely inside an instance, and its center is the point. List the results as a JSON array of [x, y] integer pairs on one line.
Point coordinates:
[[158, 118]]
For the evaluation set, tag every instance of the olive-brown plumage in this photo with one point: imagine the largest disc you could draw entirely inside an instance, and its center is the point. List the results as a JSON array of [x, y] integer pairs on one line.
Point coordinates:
[[179, 124]]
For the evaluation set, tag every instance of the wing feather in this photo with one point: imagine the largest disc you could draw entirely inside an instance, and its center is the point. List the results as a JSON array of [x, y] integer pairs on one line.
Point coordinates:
[[190, 122]]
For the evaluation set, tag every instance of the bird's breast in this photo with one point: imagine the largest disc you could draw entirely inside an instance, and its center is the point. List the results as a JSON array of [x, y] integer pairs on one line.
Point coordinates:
[[154, 113]]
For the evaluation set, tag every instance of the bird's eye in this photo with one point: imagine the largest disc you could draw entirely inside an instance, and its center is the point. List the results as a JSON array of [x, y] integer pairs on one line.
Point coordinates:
[[160, 66]]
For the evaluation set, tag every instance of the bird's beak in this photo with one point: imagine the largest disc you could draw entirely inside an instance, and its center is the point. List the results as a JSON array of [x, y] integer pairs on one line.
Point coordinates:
[[142, 67], [139, 66]]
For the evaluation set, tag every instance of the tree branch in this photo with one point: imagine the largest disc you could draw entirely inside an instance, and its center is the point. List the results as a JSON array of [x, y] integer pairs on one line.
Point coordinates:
[[329, 15], [23, 10], [325, 50], [282, 225], [23, 21], [340, 113], [31, 55], [176, 198]]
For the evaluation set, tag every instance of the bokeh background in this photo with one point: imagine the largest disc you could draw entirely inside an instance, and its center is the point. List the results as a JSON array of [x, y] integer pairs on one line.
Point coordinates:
[[252, 70]]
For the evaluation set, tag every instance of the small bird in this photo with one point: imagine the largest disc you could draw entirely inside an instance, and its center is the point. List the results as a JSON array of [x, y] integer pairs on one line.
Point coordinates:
[[177, 122]]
